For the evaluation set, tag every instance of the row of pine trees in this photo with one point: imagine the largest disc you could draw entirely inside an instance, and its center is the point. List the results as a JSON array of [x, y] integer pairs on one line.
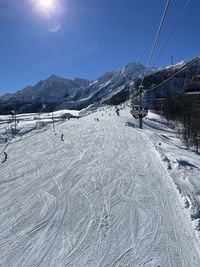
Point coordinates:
[[184, 109]]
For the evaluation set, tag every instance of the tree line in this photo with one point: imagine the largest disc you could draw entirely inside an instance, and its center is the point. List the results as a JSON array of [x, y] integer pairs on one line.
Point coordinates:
[[185, 109], [175, 104]]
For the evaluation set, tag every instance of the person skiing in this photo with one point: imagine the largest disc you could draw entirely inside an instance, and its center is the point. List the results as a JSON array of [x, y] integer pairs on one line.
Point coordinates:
[[62, 137], [5, 157]]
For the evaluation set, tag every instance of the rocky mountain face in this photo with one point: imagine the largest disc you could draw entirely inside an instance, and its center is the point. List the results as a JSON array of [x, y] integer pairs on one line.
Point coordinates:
[[46, 92], [56, 92], [108, 86]]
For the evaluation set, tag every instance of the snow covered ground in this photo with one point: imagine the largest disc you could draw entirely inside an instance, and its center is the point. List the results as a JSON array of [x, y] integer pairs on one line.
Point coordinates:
[[183, 165], [105, 196]]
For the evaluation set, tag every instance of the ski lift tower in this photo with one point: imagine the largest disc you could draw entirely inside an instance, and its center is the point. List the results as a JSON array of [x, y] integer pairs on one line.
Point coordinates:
[[137, 111], [14, 117], [53, 121], [141, 88]]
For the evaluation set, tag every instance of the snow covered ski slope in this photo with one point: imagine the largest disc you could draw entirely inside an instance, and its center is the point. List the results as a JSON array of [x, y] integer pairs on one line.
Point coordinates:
[[101, 198]]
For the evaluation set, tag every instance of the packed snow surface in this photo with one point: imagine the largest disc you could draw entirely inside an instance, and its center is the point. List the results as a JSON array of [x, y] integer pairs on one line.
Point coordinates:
[[102, 197]]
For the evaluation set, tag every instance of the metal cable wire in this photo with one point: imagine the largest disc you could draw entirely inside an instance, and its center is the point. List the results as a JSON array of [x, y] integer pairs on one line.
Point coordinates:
[[156, 39], [181, 69], [173, 30]]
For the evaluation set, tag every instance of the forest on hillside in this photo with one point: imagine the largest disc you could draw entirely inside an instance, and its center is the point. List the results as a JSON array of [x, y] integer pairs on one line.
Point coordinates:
[[181, 106]]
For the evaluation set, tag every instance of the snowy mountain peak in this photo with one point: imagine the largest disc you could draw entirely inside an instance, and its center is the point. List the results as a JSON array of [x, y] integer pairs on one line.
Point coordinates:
[[76, 93], [177, 65]]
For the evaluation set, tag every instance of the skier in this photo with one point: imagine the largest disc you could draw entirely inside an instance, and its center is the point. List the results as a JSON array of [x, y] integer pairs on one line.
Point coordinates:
[[62, 137], [5, 157], [117, 111]]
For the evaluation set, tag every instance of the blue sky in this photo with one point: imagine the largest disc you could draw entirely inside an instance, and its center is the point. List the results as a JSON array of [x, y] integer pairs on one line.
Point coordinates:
[[85, 38]]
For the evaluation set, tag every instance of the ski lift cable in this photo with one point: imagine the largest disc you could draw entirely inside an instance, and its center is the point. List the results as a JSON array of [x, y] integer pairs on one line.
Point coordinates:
[[180, 70], [173, 29], [156, 39], [194, 81], [185, 82], [188, 83], [192, 78]]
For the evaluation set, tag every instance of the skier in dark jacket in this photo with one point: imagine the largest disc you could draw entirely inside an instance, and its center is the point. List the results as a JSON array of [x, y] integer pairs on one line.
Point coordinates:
[[5, 157]]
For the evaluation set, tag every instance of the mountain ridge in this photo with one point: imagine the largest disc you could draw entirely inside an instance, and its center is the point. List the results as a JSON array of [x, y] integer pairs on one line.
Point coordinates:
[[58, 92]]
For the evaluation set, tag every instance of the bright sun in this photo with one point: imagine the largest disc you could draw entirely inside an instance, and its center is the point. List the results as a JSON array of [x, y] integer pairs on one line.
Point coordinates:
[[48, 8], [46, 3]]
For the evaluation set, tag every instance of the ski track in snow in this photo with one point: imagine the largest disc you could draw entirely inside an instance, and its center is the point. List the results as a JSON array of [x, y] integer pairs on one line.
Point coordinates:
[[101, 198]]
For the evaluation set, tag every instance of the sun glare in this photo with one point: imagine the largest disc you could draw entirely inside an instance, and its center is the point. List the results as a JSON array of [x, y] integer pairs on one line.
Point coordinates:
[[46, 3], [51, 11]]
